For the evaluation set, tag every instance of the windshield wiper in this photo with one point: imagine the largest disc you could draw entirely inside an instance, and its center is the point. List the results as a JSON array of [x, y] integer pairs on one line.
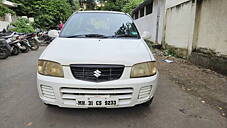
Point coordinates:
[[99, 36], [127, 36], [96, 35], [87, 36], [74, 36]]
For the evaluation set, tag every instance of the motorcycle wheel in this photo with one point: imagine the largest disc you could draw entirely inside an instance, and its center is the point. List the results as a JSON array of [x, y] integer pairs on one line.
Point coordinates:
[[15, 51], [25, 48], [34, 45], [4, 53]]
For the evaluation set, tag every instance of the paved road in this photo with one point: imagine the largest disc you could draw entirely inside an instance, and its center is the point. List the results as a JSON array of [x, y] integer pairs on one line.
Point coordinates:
[[20, 106]]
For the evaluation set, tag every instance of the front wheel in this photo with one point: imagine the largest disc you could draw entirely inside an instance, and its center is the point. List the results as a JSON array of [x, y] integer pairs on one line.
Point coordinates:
[[34, 45], [4, 53], [24, 49], [15, 51]]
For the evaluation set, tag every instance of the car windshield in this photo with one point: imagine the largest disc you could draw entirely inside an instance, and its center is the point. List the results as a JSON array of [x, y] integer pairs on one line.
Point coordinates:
[[99, 25]]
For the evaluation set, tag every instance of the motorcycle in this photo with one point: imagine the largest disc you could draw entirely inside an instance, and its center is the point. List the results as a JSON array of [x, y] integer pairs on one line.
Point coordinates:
[[44, 38], [32, 41], [12, 45], [18, 43], [22, 43], [4, 49]]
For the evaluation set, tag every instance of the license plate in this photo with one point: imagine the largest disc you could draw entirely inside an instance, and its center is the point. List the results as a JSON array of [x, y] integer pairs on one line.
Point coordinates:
[[96, 102]]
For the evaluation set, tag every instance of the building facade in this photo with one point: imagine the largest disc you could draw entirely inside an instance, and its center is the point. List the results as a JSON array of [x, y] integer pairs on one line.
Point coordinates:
[[196, 29], [149, 17], [8, 18]]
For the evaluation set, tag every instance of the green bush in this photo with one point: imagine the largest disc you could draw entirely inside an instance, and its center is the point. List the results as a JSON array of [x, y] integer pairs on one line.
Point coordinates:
[[22, 25]]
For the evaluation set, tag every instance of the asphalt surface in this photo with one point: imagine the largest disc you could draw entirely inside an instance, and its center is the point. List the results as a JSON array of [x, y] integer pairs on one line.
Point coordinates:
[[20, 106]]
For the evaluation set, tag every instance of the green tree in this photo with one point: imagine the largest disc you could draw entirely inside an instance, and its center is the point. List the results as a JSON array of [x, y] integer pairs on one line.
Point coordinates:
[[4, 10], [90, 4], [132, 4], [47, 13], [120, 5], [114, 5], [74, 4], [77, 5]]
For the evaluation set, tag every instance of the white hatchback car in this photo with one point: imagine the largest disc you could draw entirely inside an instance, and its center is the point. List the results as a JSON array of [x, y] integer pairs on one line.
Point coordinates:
[[98, 60]]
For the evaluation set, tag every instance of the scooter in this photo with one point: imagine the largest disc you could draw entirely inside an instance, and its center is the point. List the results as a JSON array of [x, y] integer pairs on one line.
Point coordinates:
[[32, 41], [11, 44], [4, 49]]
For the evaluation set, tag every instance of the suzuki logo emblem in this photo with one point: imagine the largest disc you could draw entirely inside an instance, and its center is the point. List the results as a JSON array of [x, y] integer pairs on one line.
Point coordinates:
[[97, 73]]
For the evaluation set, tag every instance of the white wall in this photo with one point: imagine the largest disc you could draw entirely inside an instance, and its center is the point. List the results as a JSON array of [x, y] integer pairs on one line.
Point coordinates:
[[173, 3], [6, 20], [162, 5], [149, 22], [180, 25], [212, 31], [9, 4], [184, 28], [3, 24]]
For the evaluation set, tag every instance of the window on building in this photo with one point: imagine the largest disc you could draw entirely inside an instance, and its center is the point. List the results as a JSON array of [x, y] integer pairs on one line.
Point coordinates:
[[136, 15], [149, 8], [141, 12]]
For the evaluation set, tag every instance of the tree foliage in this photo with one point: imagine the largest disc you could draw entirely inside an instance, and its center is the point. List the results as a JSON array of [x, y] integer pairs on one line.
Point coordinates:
[[114, 5], [22, 25], [132, 4], [4, 10], [120, 5], [74, 4], [90, 4], [47, 13]]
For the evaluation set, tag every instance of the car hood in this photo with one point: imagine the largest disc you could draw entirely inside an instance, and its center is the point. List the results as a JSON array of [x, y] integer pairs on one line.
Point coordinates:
[[126, 52]]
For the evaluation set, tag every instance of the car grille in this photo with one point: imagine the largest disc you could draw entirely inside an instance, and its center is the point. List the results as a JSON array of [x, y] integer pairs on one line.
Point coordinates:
[[69, 94], [97, 73]]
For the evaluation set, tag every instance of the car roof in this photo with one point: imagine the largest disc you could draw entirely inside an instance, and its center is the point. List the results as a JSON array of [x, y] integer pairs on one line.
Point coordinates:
[[116, 12]]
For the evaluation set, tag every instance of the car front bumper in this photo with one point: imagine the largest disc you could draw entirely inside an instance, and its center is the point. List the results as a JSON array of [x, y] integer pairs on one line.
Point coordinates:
[[63, 92]]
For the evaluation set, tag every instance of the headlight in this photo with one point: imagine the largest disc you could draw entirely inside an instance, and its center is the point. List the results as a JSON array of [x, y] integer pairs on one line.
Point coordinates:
[[143, 69], [49, 68]]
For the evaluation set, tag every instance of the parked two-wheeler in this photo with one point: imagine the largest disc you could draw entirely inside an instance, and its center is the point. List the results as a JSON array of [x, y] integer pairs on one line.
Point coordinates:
[[44, 38], [32, 41], [12, 45], [22, 43], [4, 49], [17, 42]]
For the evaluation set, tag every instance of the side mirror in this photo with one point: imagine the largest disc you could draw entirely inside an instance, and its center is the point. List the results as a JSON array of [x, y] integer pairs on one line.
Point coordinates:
[[53, 33], [146, 35]]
